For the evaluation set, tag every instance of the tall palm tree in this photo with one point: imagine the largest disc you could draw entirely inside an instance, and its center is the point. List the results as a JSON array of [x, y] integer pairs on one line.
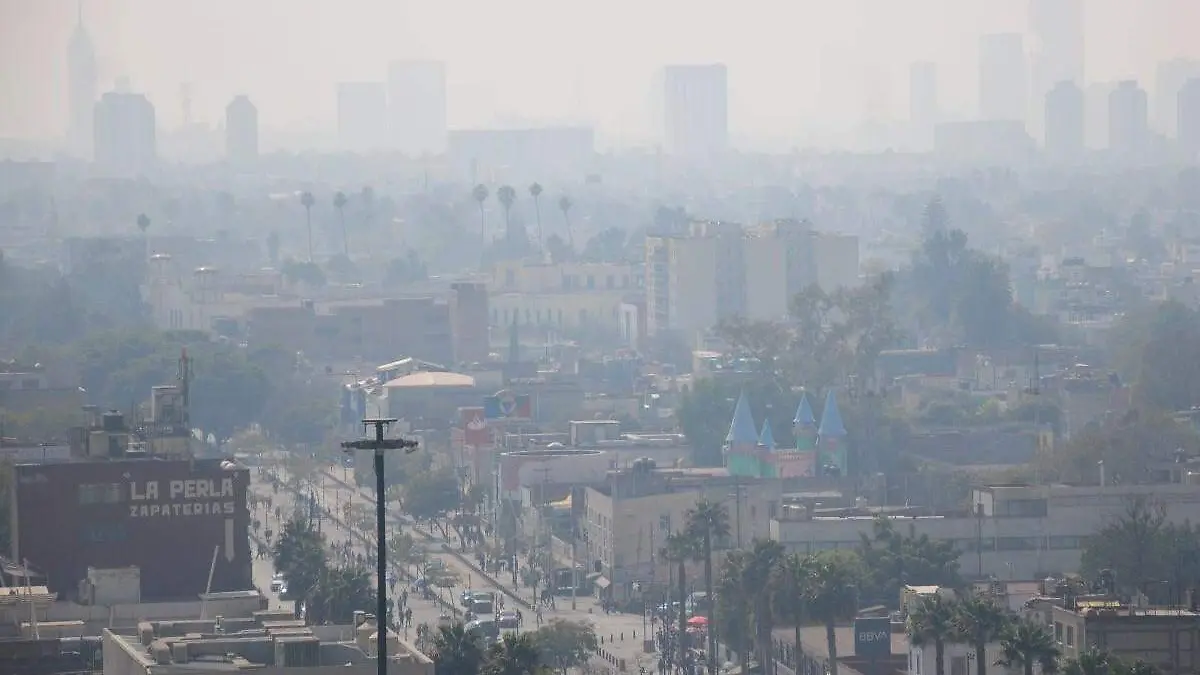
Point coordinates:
[[932, 622], [512, 655], [1026, 644], [143, 224], [708, 521], [457, 652], [761, 581], [1090, 662], [734, 608], [507, 195], [564, 205], [480, 194], [795, 576], [679, 549], [833, 597], [307, 201], [339, 203], [980, 621], [535, 191]]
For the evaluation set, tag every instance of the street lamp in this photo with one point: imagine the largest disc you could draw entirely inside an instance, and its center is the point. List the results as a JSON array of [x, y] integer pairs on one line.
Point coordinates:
[[378, 445]]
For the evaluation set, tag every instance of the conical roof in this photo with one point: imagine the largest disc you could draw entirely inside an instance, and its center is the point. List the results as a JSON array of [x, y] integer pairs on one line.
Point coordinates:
[[804, 414], [765, 437], [831, 419], [741, 429]]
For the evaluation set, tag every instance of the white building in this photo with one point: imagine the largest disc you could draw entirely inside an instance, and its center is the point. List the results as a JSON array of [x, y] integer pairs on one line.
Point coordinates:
[[416, 98], [695, 107], [125, 134]]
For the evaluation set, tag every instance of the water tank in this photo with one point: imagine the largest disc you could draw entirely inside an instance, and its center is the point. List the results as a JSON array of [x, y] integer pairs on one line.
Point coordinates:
[[113, 421]]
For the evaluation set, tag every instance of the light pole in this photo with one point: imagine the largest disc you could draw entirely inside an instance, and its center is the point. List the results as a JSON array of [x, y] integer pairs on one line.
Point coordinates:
[[377, 445]]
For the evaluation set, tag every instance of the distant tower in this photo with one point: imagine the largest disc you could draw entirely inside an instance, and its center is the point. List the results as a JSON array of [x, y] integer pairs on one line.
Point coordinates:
[[81, 87], [1189, 118], [695, 107], [741, 443], [767, 452], [241, 130], [831, 436], [1128, 119], [1065, 126], [125, 134]]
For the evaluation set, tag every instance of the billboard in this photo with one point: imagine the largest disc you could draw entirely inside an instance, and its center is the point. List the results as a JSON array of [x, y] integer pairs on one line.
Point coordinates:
[[474, 425], [508, 405], [873, 637]]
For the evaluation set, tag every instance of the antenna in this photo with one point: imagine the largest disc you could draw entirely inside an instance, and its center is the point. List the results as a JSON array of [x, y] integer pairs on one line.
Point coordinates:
[[185, 377]]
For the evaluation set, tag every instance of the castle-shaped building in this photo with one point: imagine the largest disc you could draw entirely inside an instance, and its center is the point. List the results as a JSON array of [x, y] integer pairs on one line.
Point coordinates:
[[819, 449]]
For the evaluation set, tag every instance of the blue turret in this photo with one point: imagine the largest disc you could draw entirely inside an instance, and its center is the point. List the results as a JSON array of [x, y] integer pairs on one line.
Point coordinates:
[[831, 420], [766, 439], [804, 414], [741, 430]]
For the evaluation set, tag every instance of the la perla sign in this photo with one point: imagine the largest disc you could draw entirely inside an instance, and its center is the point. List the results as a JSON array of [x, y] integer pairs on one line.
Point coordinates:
[[192, 497]]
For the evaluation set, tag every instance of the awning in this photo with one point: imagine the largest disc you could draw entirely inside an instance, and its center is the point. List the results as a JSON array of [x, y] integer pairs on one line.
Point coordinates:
[[602, 582]]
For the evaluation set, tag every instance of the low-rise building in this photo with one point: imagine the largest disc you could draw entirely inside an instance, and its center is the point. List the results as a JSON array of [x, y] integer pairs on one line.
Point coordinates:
[[1166, 638], [1015, 531]]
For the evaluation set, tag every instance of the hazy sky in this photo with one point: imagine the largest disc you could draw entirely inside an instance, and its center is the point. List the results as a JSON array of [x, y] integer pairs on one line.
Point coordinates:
[[546, 60]]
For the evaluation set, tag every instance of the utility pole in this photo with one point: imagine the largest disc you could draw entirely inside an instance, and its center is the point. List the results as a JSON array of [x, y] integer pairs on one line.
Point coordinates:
[[378, 445]]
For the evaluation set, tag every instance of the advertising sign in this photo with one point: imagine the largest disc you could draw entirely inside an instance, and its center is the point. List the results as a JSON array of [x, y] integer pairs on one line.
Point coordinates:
[[475, 428], [508, 405], [873, 637]]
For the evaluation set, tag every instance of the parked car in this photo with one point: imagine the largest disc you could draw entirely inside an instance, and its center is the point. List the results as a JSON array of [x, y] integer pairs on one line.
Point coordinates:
[[509, 620]]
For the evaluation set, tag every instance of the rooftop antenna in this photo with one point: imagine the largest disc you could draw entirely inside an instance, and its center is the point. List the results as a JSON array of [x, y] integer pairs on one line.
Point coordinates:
[[185, 377]]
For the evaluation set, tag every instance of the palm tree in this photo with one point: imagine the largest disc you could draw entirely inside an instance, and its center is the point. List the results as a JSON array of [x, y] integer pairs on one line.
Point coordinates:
[[1090, 662], [307, 201], [457, 652], [980, 621], [708, 521], [143, 224], [795, 575], [734, 608], [507, 195], [761, 582], [679, 549], [339, 203], [512, 655], [932, 622], [564, 205], [1025, 644], [535, 191], [480, 195], [299, 554], [833, 597]]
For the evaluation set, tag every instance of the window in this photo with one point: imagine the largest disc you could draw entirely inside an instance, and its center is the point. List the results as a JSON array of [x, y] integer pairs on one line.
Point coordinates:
[[1017, 544], [1058, 631], [1070, 636], [1066, 543], [591, 282]]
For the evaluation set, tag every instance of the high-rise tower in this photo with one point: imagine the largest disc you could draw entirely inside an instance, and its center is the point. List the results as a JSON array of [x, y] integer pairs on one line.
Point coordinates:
[[81, 87], [1057, 52]]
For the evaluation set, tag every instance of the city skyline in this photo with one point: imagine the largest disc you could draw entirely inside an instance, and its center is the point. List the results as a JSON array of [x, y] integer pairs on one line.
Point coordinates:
[[616, 107]]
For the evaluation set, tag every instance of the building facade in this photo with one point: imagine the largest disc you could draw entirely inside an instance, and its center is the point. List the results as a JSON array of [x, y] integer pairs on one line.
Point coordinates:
[[1064, 127], [1003, 78], [241, 130], [695, 107], [125, 135], [416, 99]]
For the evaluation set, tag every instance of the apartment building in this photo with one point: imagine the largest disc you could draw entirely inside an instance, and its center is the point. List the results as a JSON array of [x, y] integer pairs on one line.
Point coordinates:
[[1166, 638], [719, 270], [573, 296], [1016, 532]]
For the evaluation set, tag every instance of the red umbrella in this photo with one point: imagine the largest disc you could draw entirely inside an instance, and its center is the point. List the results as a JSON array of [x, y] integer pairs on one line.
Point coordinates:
[[698, 621]]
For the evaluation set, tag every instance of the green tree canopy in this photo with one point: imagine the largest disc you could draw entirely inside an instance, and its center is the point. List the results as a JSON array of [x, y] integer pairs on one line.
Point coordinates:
[[892, 560], [564, 644]]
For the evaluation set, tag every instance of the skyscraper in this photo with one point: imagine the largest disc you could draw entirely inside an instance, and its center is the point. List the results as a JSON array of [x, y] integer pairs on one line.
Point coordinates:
[[923, 102], [1168, 82], [125, 134], [1003, 78], [81, 87], [1064, 122], [1058, 46], [1128, 119], [695, 109], [362, 116], [241, 130], [416, 99], [1189, 118]]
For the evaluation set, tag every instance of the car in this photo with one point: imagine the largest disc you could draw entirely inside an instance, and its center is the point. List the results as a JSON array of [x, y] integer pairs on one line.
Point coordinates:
[[277, 585], [508, 619], [465, 598]]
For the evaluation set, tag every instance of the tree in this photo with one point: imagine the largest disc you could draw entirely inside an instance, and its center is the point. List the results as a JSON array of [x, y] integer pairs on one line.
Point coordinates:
[[980, 622], [431, 495], [679, 549], [299, 555], [734, 608], [1132, 447], [932, 622], [761, 581], [608, 245], [338, 593], [143, 224], [535, 191], [307, 201], [564, 205], [456, 651], [1026, 644], [795, 574], [480, 194], [507, 196], [1090, 662], [834, 595], [706, 522], [564, 644], [1158, 349], [512, 655], [339, 203], [892, 560], [1139, 546]]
